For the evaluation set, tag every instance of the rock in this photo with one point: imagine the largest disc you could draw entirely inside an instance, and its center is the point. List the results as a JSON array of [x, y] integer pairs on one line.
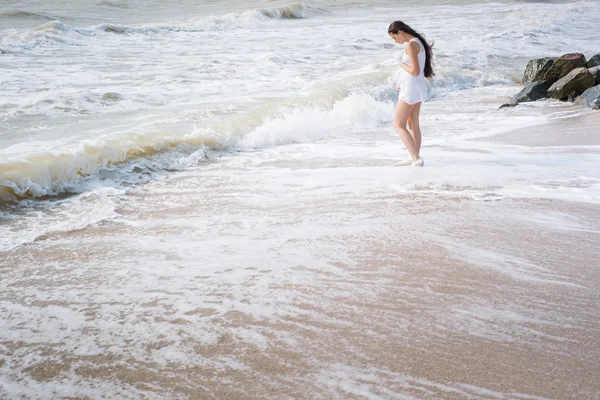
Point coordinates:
[[112, 96], [536, 69], [593, 62], [563, 65], [571, 85], [596, 72], [506, 105], [590, 98], [532, 92]]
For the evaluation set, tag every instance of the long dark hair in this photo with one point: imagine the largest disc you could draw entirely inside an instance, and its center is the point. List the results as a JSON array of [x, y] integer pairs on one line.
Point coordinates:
[[401, 26]]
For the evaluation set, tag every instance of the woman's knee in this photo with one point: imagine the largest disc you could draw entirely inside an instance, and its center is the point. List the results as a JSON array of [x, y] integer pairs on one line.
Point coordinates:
[[399, 124]]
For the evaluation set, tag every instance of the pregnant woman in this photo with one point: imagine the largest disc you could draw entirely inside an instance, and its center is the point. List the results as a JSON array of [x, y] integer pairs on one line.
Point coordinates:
[[415, 67]]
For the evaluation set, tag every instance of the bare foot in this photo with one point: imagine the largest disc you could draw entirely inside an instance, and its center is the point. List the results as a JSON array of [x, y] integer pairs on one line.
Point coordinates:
[[403, 163]]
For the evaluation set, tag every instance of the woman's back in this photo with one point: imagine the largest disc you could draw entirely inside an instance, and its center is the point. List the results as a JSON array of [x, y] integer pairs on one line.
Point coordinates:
[[421, 56]]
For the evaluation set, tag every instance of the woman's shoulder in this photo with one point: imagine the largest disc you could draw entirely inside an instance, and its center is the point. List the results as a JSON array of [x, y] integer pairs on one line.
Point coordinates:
[[414, 44]]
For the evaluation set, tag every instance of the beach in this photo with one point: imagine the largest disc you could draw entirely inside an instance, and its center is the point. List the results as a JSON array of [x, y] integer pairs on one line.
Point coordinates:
[[325, 275], [262, 244]]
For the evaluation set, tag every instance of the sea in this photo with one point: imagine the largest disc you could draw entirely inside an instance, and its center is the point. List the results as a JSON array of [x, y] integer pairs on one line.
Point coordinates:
[[198, 200]]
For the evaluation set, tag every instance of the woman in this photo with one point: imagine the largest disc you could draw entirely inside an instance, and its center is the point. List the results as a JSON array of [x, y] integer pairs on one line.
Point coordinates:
[[416, 66]]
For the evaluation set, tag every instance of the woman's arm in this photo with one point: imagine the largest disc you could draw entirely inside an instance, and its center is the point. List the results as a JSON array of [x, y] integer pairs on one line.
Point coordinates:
[[412, 50]]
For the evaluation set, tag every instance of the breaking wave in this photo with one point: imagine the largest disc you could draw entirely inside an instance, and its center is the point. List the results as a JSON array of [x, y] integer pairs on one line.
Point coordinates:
[[56, 32], [335, 109]]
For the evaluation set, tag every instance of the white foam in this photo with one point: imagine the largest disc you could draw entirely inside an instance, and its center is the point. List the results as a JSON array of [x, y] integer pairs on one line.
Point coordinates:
[[507, 264], [47, 34], [58, 32], [559, 221], [298, 125], [34, 221], [378, 383]]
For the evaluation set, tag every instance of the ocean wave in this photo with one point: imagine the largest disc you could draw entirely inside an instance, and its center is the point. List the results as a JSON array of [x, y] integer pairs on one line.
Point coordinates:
[[26, 14], [328, 110], [54, 172], [293, 11], [247, 18], [454, 79], [563, 19], [114, 3], [53, 25], [55, 31], [88, 209], [49, 33]]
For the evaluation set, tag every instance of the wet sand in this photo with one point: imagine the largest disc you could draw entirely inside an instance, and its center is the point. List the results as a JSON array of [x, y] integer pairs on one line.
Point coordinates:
[[581, 130], [312, 278]]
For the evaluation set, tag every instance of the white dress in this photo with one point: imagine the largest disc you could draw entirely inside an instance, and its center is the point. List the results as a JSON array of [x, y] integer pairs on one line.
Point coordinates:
[[412, 89]]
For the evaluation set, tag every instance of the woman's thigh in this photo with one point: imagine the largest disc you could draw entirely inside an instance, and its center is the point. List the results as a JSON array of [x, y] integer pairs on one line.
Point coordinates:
[[413, 118], [403, 111]]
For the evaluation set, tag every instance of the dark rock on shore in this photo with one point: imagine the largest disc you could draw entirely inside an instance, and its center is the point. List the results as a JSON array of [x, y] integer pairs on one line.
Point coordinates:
[[563, 65], [590, 98], [532, 92], [593, 62], [568, 77], [596, 72], [536, 69], [573, 84], [506, 105]]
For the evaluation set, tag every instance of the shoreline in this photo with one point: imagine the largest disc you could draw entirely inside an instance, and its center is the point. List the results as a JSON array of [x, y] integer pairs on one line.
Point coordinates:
[[577, 130]]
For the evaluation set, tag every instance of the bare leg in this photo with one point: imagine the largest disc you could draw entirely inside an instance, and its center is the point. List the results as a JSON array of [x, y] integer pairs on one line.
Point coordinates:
[[415, 127], [403, 110]]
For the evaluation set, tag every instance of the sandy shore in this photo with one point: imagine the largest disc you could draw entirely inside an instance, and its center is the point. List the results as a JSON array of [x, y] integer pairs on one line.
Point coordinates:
[[312, 278], [580, 130]]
